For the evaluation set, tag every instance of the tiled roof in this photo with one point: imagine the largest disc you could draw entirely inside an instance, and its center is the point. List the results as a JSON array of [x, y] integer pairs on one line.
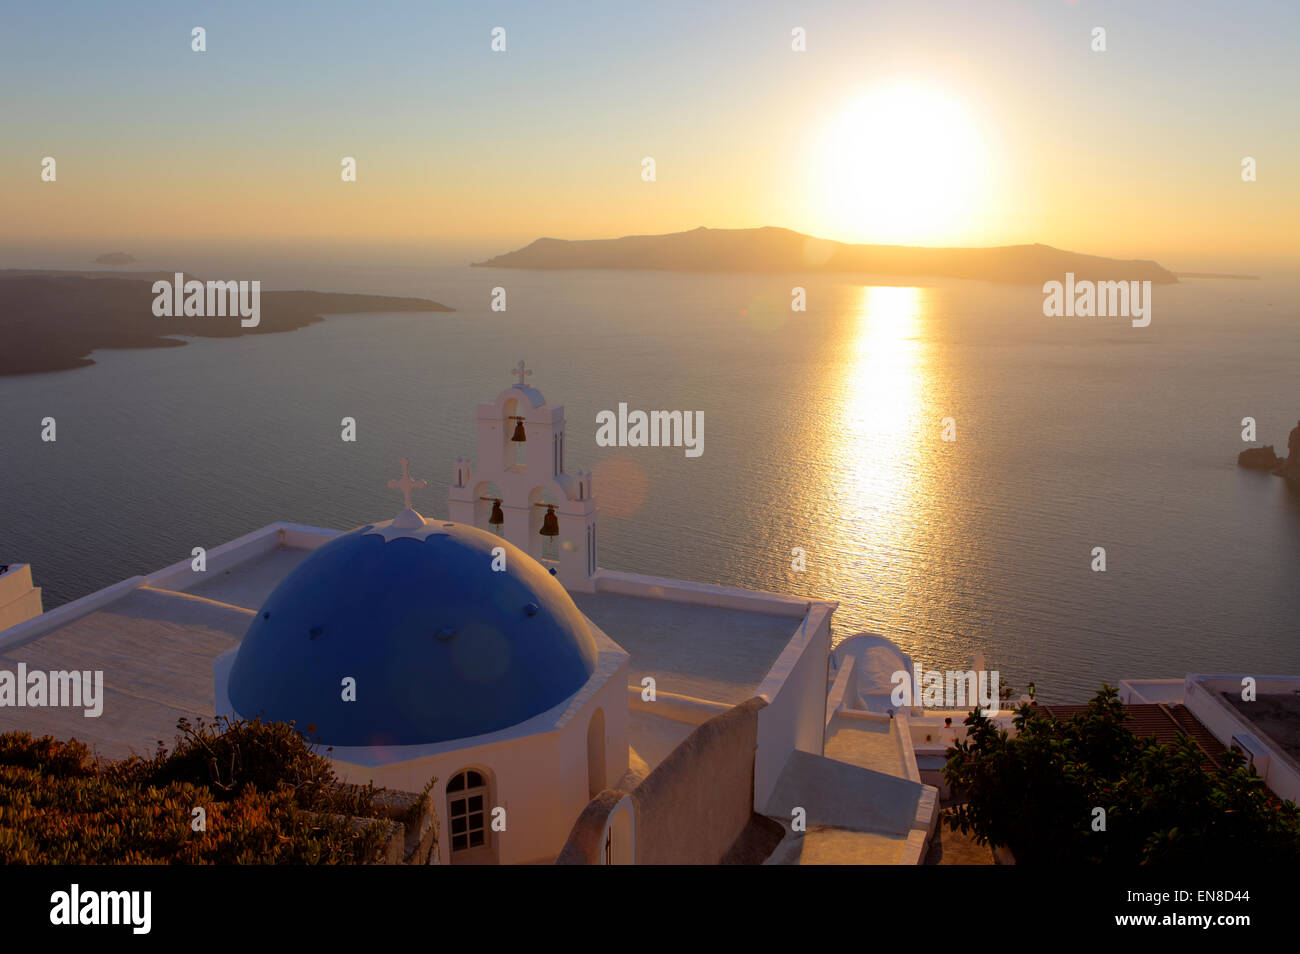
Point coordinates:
[[1159, 721]]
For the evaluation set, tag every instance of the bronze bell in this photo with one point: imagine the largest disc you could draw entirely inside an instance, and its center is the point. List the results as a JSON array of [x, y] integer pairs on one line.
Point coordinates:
[[518, 435], [497, 517], [550, 523]]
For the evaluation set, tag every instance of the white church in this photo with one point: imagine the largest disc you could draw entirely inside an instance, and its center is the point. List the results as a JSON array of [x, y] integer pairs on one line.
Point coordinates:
[[569, 713]]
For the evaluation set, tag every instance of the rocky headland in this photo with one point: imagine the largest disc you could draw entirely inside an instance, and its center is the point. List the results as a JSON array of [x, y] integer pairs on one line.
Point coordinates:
[[54, 321], [1265, 458]]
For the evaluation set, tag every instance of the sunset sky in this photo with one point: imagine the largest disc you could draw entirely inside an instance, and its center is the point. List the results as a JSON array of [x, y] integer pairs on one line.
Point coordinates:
[[934, 123]]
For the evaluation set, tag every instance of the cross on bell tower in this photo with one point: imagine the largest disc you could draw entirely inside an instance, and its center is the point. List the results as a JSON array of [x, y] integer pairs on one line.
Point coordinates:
[[533, 502], [523, 372]]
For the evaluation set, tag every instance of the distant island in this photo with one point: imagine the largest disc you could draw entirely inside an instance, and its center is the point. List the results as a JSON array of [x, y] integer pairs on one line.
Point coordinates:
[[1216, 275], [52, 321], [782, 250], [115, 258]]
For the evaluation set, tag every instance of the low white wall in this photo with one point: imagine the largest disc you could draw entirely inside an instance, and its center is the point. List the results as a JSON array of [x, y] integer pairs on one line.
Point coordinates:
[[1202, 700], [180, 575], [14, 582], [300, 537], [1150, 691], [903, 726], [19, 599], [702, 594], [679, 708], [21, 609], [842, 688], [38, 626], [864, 715], [923, 826], [795, 692], [923, 722]]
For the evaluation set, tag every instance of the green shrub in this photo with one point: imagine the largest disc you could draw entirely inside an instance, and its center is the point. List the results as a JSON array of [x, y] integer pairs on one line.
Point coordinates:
[[1037, 792]]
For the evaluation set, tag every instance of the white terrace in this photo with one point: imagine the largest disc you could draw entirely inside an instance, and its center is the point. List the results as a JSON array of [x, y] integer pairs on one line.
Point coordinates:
[[156, 636]]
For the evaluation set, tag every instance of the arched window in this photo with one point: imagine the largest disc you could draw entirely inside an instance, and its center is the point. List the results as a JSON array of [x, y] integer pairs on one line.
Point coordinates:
[[467, 812]]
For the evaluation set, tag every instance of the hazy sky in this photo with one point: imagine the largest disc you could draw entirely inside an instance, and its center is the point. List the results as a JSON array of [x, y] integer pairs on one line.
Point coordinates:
[[1020, 131]]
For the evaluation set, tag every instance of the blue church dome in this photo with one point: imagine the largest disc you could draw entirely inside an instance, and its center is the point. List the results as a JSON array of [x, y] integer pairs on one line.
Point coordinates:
[[440, 645]]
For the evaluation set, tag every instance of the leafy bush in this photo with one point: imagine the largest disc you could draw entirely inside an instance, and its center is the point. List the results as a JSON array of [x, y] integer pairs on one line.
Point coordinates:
[[230, 756], [1036, 793], [267, 795]]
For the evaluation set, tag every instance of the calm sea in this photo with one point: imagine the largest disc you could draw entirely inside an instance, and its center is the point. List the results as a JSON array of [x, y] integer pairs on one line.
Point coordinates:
[[822, 431]]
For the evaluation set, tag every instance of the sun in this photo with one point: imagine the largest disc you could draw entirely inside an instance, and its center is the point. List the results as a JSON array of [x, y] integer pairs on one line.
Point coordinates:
[[902, 164]]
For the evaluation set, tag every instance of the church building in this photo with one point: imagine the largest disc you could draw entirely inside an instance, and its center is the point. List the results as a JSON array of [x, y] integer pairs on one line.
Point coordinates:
[[563, 712]]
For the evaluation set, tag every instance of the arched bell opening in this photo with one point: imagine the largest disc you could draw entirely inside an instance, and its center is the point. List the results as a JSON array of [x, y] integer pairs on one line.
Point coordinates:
[[515, 434], [488, 514], [544, 525]]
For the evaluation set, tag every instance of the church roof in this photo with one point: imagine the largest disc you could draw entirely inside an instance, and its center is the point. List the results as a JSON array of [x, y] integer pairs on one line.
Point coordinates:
[[533, 395], [440, 645]]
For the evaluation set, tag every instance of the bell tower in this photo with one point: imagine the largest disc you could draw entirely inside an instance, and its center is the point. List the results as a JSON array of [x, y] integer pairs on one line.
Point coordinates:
[[521, 482]]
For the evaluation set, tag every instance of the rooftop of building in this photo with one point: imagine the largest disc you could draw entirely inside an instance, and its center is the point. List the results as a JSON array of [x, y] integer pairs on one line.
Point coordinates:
[[156, 638], [707, 652], [1161, 721], [1256, 714], [249, 583], [1275, 714], [156, 649]]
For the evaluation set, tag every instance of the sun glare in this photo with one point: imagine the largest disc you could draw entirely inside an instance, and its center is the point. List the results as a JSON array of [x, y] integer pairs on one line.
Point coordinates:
[[902, 164]]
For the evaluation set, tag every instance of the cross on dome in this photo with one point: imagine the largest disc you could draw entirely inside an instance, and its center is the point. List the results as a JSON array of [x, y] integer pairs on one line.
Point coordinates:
[[406, 484], [523, 372]]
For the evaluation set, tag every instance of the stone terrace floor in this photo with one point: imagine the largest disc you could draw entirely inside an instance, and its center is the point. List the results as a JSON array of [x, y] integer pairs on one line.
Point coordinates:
[[707, 652], [249, 584]]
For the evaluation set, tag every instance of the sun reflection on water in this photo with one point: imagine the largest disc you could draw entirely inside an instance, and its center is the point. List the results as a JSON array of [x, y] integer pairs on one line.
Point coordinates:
[[882, 387], [879, 449]]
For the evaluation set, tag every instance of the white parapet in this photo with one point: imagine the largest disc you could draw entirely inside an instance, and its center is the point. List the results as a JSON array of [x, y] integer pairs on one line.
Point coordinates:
[[1149, 691], [1204, 696], [19, 599]]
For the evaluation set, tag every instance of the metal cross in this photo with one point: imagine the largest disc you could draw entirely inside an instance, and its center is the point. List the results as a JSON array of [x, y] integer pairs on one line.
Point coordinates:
[[522, 372], [406, 484]]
